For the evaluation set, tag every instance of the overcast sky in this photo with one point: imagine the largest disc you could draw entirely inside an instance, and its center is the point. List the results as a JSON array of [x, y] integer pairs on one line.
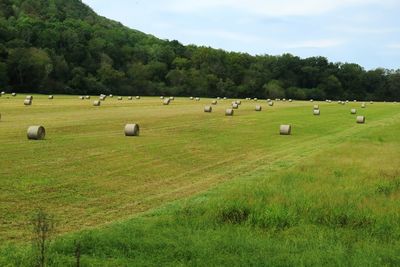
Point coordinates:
[[366, 32]]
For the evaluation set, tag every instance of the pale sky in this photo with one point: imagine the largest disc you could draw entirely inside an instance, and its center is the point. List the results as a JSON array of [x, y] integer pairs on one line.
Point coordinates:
[[366, 32]]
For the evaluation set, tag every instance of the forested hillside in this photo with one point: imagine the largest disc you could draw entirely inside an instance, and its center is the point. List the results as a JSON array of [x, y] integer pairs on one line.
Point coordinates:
[[62, 46]]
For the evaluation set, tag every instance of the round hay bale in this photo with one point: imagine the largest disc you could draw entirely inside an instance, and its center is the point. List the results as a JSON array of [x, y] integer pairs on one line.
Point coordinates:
[[271, 104], [120, 98], [311, 100], [82, 98], [353, 111], [29, 97], [191, 98], [166, 101], [316, 107], [238, 102], [130, 98], [258, 108], [87, 97], [132, 130], [14, 94], [161, 97], [255, 99], [197, 98], [97, 103], [225, 98], [36, 133], [371, 102], [137, 97], [208, 109], [268, 100], [317, 112], [171, 98], [51, 97], [3, 93], [102, 98], [355, 101], [285, 130], [218, 98], [284, 100], [229, 112], [214, 102], [290, 100], [360, 119], [111, 96], [235, 106], [27, 102], [363, 105]]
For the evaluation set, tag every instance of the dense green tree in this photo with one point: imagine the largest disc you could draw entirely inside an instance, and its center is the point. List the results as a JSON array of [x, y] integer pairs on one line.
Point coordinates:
[[62, 46]]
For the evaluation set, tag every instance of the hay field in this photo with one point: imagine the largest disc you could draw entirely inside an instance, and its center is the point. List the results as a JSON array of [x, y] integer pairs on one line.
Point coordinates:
[[235, 179]]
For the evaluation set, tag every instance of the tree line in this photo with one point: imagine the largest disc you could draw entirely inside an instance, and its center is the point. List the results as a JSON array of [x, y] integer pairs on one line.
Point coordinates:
[[63, 47]]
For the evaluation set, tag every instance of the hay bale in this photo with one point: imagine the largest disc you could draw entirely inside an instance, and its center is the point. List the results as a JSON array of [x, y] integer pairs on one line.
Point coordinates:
[[102, 98], [255, 99], [191, 98], [197, 98], [235, 106], [97, 103], [363, 105], [360, 119], [290, 100], [120, 98], [161, 97], [317, 112], [229, 112], [238, 102], [3, 93], [132, 130], [258, 108], [81, 98], [214, 102], [14, 94], [130, 98], [284, 100], [51, 97], [271, 104], [111, 96], [138, 97], [29, 97], [269, 100], [208, 109], [171, 98], [36, 133], [353, 111], [27, 102], [316, 107], [166, 101], [371, 102], [311, 100], [285, 130], [87, 97]]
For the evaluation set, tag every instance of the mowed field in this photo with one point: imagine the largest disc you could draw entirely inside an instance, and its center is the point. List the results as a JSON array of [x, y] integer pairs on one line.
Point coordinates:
[[202, 189]]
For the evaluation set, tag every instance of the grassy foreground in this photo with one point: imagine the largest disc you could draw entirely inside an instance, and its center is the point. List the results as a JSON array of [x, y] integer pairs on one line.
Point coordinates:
[[327, 195]]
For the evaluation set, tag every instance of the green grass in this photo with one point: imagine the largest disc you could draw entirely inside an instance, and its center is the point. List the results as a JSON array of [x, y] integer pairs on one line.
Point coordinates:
[[202, 189]]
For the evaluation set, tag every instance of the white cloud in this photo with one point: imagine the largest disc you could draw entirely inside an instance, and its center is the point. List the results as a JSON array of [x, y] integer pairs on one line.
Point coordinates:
[[274, 8], [393, 46], [323, 43]]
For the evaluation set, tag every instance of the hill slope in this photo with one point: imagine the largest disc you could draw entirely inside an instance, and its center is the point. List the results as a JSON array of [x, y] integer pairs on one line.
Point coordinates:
[[57, 46]]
